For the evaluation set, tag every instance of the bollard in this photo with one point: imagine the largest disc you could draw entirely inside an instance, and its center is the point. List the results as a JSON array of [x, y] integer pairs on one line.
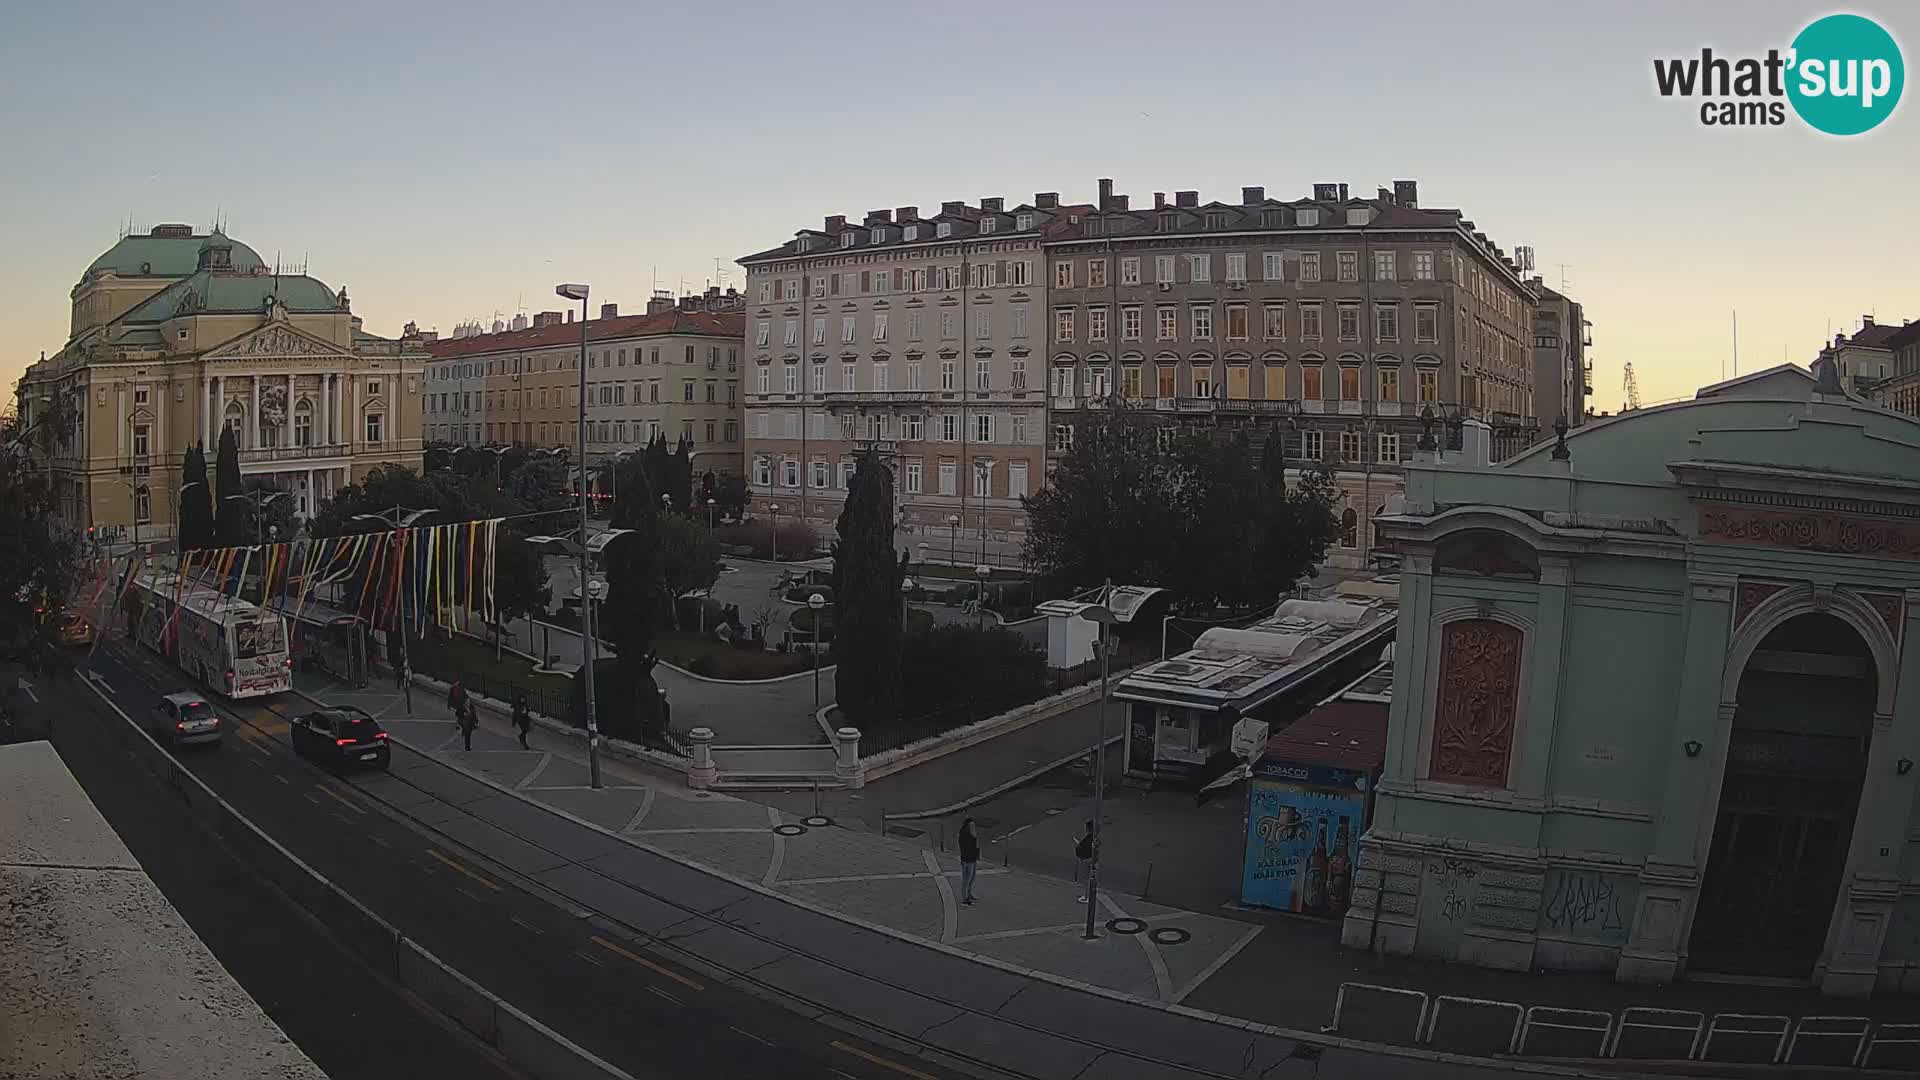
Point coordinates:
[[847, 766], [1148, 889], [700, 769]]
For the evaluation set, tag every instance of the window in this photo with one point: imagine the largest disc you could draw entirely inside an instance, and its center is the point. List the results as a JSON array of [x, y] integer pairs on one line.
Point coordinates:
[[143, 504], [1097, 324], [913, 374], [1236, 322], [1383, 266], [1098, 386], [1164, 375], [1389, 446], [762, 471], [948, 476], [982, 323], [983, 428], [732, 431], [1311, 446], [1063, 325], [880, 376], [880, 326], [790, 473], [819, 472], [373, 388], [1096, 273], [946, 375], [1270, 264], [1386, 322], [303, 424], [1203, 380], [1200, 268], [1236, 266], [988, 224], [140, 395], [949, 427], [1349, 263], [846, 426], [916, 325], [910, 427], [1130, 270], [982, 479], [1426, 323], [819, 331], [1202, 317], [790, 424], [793, 333], [686, 390], [1017, 480], [1019, 272], [1389, 384], [1019, 373], [792, 377], [1020, 321], [1350, 451], [1062, 437], [793, 289], [1130, 382], [1274, 322], [1349, 382], [849, 379], [1017, 434], [1063, 381], [1349, 322], [374, 427], [1348, 529], [1168, 323], [949, 325], [1063, 275], [983, 375], [1311, 372], [1309, 260], [1423, 266], [1307, 217], [914, 476], [943, 229], [1163, 269], [846, 329], [1429, 380]]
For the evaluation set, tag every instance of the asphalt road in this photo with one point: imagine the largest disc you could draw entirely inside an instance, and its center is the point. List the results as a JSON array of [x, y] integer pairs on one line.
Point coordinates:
[[347, 1019], [613, 995]]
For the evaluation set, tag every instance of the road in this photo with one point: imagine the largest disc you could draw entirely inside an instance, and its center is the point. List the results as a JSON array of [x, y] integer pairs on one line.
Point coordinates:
[[608, 992], [349, 1021]]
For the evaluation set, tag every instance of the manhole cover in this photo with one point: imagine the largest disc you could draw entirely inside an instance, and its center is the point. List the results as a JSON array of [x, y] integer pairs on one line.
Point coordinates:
[[817, 821], [1170, 935], [1125, 926], [789, 829]]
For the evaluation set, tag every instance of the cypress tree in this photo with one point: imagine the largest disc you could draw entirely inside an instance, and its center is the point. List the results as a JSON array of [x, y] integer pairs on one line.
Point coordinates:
[[230, 515], [867, 575], [196, 501]]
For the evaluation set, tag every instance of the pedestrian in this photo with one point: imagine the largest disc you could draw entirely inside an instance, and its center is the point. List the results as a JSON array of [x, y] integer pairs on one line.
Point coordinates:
[[1083, 862], [522, 718], [456, 699], [469, 719], [969, 860]]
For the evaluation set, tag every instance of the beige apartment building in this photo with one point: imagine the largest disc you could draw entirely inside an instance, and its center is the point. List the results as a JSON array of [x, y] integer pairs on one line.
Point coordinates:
[[177, 335], [921, 337], [1339, 319], [673, 372]]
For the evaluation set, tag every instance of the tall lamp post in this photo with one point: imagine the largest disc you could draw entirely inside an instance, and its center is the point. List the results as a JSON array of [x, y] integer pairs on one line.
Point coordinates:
[[1102, 614], [816, 603], [711, 503], [953, 539], [587, 641], [774, 509], [983, 571], [397, 518]]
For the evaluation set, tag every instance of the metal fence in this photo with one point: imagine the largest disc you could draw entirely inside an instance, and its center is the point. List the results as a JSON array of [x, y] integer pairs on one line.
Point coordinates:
[[1468, 1025]]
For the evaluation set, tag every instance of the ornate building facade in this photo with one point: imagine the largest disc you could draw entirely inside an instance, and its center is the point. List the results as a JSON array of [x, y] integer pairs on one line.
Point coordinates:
[[176, 336], [1656, 710]]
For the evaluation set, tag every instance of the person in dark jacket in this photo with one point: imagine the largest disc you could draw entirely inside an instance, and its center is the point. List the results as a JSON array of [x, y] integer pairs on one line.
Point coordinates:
[[1083, 861], [969, 860], [469, 719], [522, 718]]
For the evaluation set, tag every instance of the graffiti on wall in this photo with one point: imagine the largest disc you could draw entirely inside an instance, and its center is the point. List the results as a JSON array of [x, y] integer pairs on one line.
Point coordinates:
[[1588, 905], [1447, 897]]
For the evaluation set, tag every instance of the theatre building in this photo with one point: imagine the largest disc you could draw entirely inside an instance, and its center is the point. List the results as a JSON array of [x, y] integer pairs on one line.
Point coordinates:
[[1654, 707]]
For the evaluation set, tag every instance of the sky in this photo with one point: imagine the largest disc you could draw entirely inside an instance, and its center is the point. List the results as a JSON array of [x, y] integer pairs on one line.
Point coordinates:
[[451, 161]]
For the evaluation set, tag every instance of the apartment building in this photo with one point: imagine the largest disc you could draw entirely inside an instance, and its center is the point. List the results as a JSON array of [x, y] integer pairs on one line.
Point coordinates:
[[1900, 390], [921, 337], [670, 372], [1339, 319], [1562, 371]]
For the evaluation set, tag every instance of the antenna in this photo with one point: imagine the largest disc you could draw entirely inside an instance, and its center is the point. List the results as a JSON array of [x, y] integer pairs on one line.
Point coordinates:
[[1630, 387], [1564, 267], [1736, 343]]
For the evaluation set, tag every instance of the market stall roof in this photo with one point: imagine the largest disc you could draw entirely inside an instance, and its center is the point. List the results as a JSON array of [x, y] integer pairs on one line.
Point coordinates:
[[1339, 734], [1124, 601]]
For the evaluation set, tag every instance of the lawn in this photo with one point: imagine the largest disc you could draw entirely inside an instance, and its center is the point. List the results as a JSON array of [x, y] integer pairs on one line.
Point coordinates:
[[963, 573], [705, 655], [472, 663]]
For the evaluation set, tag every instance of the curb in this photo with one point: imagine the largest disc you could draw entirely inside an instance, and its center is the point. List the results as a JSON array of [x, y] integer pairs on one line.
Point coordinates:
[[1230, 1023], [515, 1036], [606, 651], [972, 801]]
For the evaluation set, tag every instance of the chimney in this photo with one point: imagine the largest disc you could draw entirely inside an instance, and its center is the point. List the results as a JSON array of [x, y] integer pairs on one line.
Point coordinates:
[[879, 217], [1383, 195], [1326, 192], [836, 222], [906, 214], [662, 300], [1106, 194], [1159, 200], [1046, 200], [1407, 193], [1120, 201], [569, 314], [1186, 198], [1252, 195], [1866, 322], [953, 207], [1343, 193], [609, 311], [547, 318], [991, 206]]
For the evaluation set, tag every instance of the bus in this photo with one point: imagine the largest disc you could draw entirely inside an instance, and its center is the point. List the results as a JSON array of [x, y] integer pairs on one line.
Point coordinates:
[[231, 646]]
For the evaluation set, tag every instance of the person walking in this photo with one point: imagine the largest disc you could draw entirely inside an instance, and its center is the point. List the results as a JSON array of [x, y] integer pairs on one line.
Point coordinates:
[[969, 860], [522, 718], [457, 700], [1083, 862], [469, 718]]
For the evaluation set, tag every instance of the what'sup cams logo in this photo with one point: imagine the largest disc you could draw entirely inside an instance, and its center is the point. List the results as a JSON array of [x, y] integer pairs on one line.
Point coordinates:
[[1842, 75]]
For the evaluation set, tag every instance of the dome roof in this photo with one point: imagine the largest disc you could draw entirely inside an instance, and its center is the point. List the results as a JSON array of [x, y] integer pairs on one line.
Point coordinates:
[[219, 293], [169, 251]]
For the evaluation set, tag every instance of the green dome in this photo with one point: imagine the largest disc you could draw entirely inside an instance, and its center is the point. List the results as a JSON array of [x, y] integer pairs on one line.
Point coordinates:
[[221, 293], [169, 251]]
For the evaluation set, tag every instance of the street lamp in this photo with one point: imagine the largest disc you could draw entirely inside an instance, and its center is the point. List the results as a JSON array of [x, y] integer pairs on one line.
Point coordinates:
[[579, 292], [666, 503], [258, 499], [711, 503], [983, 571], [1099, 613], [774, 509], [953, 539], [397, 518], [815, 604]]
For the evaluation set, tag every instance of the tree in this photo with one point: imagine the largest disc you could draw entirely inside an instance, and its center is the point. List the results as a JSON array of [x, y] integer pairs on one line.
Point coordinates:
[[680, 476], [540, 484], [630, 614], [1297, 526], [229, 514], [41, 567], [656, 463], [732, 495], [709, 488], [276, 521], [1107, 514], [196, 501], [519, 580], [1217, 497], [689, 559], [867, 575]]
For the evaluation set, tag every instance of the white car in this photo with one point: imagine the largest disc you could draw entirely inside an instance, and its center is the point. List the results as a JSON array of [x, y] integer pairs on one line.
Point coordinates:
[[185, 719]]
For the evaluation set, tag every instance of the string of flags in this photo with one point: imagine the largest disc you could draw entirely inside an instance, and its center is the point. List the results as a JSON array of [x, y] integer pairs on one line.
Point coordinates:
[[439, 574]]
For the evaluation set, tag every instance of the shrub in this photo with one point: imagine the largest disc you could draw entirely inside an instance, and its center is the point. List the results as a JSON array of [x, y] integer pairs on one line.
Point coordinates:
[[958, 663], [797, 541], [800, 594]]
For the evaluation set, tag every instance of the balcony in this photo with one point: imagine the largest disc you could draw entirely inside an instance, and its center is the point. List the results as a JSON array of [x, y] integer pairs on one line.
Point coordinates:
[[873, 397], [294, 453]]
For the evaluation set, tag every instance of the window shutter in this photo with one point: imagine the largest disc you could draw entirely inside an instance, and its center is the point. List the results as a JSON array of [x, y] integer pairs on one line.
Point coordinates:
[[866, 281]]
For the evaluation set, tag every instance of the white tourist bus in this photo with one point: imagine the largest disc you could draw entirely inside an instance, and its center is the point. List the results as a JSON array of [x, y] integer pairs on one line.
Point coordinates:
[[231, 646]]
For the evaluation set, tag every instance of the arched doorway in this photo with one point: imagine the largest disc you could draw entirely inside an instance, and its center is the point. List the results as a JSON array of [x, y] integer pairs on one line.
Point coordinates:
[[1796, 761]]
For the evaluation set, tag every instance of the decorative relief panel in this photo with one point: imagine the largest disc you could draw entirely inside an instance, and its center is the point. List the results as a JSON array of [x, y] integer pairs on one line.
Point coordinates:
[[1485, 553], [1478, 700], [1751, 595], [1839, 534], [1892, 608]]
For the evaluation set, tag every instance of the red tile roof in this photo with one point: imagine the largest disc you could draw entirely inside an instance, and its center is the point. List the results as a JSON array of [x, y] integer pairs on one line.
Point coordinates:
[[1341, 734], [727, 324]]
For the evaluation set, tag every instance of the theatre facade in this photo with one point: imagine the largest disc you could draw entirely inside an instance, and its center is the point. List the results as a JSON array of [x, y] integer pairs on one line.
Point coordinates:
[[1655, 710]]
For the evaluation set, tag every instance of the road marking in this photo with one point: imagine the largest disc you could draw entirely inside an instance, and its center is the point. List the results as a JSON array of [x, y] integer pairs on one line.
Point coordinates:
[[646, 963], [380, 840], [663, 993], [256, 763], [311, 798], [749, 1035], [469, 894], [456, 865], [594, 960], [885, 1063], [282, 779], [340, 817], [339, 798], [525, 925], [848, 1075]]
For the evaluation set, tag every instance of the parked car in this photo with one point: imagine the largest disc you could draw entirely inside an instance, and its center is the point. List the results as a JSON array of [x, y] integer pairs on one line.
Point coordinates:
[[341, 737], [186, 719], [74, 629]]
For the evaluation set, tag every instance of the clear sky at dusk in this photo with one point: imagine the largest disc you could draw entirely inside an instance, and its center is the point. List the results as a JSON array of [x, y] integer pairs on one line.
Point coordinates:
[[447, 161]]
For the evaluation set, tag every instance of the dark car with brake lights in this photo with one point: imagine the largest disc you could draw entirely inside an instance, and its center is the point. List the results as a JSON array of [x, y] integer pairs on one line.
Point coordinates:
[[341, 737]]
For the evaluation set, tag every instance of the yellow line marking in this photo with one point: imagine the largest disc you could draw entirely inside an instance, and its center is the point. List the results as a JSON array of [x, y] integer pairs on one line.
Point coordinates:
[[339, 798], [454, 864], [885, 1063], [648, 964]]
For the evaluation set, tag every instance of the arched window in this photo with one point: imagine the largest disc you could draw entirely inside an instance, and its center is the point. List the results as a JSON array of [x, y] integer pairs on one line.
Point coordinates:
[[235, 418], [1349, 528], [303, 423]]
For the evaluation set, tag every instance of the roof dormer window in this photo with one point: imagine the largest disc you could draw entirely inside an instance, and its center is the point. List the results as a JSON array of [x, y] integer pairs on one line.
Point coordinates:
[[802, 244], [1169, 222], [1309, 216], [1023, 222], [1216, 219], [846, 239], [1272, 219], [943, 230], [1359, 215], [986, 224], [877, 236], [912, 232]]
